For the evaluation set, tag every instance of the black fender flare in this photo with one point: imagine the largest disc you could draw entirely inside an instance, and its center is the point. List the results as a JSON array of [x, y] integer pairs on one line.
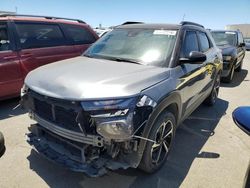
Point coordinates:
[[172, 98]]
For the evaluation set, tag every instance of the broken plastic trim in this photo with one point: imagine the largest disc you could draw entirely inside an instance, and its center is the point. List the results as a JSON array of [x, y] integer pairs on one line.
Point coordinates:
[[79, 137], [115, 114], [56, 152], [146, 101]]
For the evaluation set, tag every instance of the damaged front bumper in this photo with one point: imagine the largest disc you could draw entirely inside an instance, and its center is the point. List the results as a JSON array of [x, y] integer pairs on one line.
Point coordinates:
[[69, 155], [84, 138]]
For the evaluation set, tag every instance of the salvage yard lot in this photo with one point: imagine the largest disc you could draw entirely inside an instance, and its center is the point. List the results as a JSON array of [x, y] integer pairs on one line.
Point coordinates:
[[209, 151]]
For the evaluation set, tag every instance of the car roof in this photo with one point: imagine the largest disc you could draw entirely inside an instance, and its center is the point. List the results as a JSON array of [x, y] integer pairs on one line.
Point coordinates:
[[46, 19], [151, 26]]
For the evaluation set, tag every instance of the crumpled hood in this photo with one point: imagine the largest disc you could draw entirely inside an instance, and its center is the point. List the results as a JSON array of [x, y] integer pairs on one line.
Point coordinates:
[[88, 78], [228, 50]]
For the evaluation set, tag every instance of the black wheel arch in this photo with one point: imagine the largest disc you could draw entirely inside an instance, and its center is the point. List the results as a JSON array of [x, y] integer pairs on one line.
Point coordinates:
[[171, 102]]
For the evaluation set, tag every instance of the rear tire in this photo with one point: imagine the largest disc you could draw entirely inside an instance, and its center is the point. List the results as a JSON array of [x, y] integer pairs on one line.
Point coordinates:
[[211, 99], [229, 78], [162, 132]]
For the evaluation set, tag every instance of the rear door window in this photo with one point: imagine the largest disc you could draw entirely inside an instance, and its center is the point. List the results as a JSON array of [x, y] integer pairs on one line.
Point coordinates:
[[204, 42], [4, 38], [36, 35], [79, 35], [190, 43]]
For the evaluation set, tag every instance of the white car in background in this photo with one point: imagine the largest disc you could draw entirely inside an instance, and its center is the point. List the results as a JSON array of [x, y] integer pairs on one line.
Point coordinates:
[[101, 32], [247, 42]]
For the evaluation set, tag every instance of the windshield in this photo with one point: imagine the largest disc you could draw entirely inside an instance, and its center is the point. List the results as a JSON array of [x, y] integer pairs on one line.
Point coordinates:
[[225, 38], [143, 46]]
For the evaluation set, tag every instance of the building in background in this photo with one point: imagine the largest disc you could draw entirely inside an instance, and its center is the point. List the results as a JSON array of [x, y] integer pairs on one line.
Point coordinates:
[[244, 28], [6, 12]]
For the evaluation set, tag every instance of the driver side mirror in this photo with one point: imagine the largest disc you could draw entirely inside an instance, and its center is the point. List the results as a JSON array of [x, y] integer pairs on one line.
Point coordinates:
[[241, 117], [194, 57]]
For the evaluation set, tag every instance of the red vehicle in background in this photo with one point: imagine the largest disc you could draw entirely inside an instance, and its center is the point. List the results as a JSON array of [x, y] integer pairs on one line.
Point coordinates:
[[27, 42]]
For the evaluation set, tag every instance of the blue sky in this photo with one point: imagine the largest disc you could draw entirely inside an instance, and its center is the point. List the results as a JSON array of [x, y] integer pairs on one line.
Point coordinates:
[[214, 14]]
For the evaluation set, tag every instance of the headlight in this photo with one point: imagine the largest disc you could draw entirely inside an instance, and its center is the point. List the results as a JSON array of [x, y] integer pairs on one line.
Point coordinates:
[[227, 58], [109, 104], [117, 128], [114, 118]]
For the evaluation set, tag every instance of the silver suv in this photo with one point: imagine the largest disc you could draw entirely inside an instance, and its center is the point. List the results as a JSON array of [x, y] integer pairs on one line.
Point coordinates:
[[119, 104]]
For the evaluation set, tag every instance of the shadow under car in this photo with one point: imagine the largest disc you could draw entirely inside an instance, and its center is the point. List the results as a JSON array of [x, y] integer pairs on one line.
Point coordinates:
[[190, 138]]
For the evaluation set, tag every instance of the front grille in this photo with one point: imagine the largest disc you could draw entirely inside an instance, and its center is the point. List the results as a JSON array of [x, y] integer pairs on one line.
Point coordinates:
[[43, 109], [60, 112], [67, 118]]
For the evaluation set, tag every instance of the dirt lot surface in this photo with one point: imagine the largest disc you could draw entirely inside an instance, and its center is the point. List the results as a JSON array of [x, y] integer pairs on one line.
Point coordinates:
[[209, 150]]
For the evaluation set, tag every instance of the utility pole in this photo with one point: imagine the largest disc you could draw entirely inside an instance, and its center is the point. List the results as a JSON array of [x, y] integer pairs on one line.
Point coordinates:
[[184, 15]]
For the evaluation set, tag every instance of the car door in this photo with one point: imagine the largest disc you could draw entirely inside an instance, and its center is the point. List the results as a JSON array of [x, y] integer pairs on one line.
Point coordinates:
[[192, 77], [41, 43], [81, 37], [10, 74], [206, 47]]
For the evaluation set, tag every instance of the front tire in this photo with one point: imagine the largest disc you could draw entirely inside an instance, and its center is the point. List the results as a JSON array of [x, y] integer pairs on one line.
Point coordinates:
[[162, 133]]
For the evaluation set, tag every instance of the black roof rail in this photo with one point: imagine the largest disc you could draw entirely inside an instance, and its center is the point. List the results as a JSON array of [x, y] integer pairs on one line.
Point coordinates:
[[191, 23], [132, 22], [46, 17]]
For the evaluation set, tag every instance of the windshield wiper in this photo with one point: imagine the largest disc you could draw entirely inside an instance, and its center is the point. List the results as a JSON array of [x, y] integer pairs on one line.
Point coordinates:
[[87, 55], [126, 60], [119, 59]]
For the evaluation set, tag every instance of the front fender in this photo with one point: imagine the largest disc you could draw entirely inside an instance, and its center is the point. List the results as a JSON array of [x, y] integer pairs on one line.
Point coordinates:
[[171, 98]]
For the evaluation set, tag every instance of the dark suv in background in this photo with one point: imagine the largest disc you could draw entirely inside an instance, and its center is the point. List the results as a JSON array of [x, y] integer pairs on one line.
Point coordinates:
[[27, 42], [119, 104], [233, 50]]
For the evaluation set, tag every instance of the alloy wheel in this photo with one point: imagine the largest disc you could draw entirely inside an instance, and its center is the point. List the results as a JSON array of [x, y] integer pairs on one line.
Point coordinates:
[[163, 139]]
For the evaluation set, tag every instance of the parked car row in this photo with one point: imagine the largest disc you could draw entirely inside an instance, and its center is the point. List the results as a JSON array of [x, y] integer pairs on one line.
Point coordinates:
[[118, 104]]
